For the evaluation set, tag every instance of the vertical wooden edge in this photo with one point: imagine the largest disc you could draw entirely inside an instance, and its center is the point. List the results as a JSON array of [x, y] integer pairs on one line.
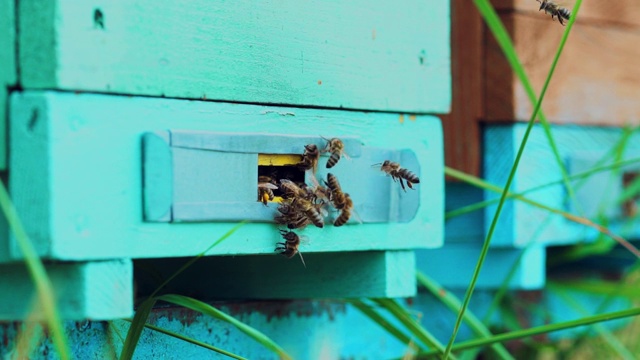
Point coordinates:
[[8, 69], [96, 290], [461, 127], [498, 78], [157, 176], [30, 164], [400, 272]]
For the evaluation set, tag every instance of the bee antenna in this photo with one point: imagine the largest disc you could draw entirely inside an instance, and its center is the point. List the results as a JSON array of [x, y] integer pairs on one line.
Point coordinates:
[[376, 164], [301, 258], [324, 138]]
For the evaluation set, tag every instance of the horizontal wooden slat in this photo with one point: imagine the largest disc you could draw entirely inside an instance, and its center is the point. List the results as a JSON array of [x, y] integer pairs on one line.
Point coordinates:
[[356, 54], [96, 291], [618, 13], [77, 175], [528, 264], [595, 83], [334, 275]]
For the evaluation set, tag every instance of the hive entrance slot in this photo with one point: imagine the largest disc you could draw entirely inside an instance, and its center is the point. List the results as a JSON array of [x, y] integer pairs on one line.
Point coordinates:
[[280, 166]]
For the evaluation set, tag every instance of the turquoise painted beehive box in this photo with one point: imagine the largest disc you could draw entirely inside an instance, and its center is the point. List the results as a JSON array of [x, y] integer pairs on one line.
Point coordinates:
[[138, 131]]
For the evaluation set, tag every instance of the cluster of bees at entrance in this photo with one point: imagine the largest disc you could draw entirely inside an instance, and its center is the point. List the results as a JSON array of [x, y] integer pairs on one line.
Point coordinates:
[[304, 205], [555, 10]]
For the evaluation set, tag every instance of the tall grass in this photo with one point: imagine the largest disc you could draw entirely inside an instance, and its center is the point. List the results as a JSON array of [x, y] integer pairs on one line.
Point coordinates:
[[497, 28]]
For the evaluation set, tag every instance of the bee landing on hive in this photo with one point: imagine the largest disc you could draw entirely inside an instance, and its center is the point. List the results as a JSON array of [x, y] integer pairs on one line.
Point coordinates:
[[399, 173], [334, 146]]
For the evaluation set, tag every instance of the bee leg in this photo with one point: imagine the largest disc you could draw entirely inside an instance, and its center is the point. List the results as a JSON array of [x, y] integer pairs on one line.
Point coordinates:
[[402, 184], [409, 185]]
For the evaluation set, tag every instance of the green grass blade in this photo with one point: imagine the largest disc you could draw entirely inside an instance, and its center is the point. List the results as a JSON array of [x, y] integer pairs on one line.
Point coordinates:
[[207, 309], [450, 301], [380, 320], [526, 333], [482, 204], [498, 29], [197, 257], [38, 275], [606, 335], [137, 325], [418, 331], [192, 341]]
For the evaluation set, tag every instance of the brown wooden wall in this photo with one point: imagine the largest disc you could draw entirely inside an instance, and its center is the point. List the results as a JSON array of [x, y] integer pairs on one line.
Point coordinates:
[[597, 81]]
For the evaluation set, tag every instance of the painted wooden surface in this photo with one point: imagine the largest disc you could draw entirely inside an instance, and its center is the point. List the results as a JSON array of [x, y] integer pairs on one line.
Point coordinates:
[[326, 275], [581, 148], [600, 91], [462, 126], [464, 236], [7, 68], [76, 180], [326, 329], [360, 55], [620, 13], [100, 290]]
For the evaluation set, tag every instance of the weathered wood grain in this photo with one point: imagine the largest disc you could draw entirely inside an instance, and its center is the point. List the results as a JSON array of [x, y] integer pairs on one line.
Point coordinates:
[[329, 275], [596, 81], [581, 148], [461, 127], [357, 54], [619, 13], [7, 68], [100, 290], [77, 175]]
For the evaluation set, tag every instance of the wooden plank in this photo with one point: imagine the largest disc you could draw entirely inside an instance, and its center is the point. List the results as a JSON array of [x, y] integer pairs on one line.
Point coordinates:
[[77, 176], [619, 13], [329, 275], [580, 148], [97, 290], [530, 267], [600, 91], [8, 76], [462, 126], [356, 54]]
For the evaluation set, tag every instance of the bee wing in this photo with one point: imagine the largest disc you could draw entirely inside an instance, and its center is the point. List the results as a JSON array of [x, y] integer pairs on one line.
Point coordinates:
[[263, 185], [356, 216], [304, 239]]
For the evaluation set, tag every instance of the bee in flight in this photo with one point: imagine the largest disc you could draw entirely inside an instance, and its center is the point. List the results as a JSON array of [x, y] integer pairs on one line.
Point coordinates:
[[335, 146], [309, 158], [289, 247], [398, 173], [554, 10], [266, 185]]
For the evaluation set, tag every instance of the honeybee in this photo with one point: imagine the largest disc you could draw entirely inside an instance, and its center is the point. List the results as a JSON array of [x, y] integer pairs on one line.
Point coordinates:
[[289, 247], [265, 189], [345, 212], [311, 211], [309, 158], [337, 197], [399, 173], [336, 147], [554, 10], [291, 190]]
